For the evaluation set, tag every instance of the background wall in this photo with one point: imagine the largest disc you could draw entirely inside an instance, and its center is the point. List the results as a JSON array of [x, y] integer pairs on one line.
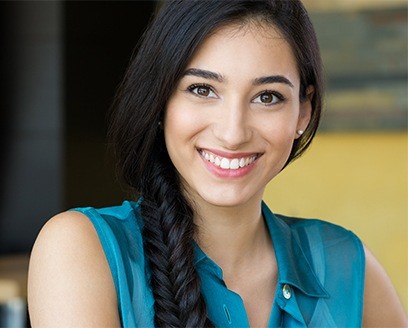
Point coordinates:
[[31, 119], [60, 64]]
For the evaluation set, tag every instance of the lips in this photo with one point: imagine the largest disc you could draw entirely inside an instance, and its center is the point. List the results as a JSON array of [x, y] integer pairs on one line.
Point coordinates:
[[228, 163]]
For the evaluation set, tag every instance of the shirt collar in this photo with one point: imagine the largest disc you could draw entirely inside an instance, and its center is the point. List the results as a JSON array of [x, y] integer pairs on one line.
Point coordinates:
[[293, 266], [198, 253]]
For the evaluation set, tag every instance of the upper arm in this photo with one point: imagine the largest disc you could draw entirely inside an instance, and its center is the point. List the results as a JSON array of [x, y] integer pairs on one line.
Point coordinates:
[[69, 281], [382, 307]]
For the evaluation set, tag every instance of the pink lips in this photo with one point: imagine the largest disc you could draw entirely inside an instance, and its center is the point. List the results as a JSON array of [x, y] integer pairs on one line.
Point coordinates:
[[228, 173]]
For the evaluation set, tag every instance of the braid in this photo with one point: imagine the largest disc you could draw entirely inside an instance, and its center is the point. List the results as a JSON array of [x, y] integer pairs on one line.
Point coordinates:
[[168, 238]]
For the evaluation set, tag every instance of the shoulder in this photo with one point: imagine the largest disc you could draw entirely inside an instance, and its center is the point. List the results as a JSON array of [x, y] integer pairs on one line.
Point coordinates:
[[335, 253], [115, 218], [69, 277], [323, 233], [330, 248], [382, 307], [67, 233]]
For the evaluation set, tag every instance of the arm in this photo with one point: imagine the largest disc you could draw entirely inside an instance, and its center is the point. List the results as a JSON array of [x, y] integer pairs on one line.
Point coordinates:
[[70, 283], [382, 307]]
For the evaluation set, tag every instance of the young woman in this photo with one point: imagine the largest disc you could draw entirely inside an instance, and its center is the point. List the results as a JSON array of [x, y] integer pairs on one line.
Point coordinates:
[[220, 97]]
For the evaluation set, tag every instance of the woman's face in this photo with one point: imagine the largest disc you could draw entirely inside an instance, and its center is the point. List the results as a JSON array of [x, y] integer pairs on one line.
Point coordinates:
[[231, 122]]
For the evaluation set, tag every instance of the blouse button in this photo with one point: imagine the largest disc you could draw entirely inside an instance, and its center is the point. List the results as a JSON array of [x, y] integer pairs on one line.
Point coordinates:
[[286, 291]]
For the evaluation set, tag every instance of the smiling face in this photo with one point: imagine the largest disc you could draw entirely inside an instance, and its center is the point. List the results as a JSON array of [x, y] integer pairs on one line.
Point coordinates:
[[230, 124]]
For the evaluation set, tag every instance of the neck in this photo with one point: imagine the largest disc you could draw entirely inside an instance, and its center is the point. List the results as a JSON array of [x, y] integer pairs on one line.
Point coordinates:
[[233, 237]]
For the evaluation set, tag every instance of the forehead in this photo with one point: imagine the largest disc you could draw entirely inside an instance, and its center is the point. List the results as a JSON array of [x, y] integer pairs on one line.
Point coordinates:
[[253, 48], [257, 29]]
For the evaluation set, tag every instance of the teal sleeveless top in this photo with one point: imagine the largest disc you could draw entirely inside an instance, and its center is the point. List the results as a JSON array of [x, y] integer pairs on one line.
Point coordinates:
[[320, 272]]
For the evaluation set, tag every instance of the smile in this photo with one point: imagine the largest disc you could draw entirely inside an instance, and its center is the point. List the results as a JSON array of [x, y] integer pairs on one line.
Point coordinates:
[[228, 163]]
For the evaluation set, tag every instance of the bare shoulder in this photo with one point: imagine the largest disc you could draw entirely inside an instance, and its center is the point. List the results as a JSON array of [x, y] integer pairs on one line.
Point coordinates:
[[382, 307], [69, 281]]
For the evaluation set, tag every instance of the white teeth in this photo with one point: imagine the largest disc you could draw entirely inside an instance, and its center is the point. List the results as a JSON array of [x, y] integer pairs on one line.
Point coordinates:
[[234, 164], [225, 163], [228, 164]]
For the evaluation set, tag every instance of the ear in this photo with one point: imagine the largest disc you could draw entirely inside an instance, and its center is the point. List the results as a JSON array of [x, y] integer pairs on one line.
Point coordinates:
[[305, 110]]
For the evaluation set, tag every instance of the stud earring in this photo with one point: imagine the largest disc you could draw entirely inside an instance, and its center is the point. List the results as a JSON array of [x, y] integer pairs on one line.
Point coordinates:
[[160, 125], [300, 132]]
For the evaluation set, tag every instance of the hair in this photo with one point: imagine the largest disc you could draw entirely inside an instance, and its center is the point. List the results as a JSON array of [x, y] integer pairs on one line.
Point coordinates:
[[163, 53]]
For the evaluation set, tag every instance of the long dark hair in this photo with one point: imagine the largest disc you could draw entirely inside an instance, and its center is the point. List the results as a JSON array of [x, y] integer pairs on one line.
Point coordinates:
[[163, 54]]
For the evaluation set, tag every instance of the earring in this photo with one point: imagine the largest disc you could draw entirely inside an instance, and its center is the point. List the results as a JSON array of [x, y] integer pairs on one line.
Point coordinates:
[[160, 125], [300, 132]]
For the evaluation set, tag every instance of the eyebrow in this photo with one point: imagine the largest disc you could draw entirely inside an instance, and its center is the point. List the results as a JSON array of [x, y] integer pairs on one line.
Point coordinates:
[[273, 79], [204, 74], [218, 77]]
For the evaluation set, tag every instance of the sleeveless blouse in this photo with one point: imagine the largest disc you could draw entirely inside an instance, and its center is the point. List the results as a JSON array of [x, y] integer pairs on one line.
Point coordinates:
[[321, 270]]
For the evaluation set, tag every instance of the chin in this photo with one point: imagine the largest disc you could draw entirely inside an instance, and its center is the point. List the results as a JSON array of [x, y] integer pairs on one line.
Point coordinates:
[[230, 199]]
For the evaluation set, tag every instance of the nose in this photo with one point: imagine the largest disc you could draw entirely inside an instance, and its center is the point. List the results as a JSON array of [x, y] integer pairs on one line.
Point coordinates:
[[232, 126]]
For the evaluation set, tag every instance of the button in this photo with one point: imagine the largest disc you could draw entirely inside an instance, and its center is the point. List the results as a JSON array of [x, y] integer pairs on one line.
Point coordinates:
[[286, 291]]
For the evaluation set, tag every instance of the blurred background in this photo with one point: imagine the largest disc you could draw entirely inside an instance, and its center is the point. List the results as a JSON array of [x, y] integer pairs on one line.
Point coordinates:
[[61, 61]]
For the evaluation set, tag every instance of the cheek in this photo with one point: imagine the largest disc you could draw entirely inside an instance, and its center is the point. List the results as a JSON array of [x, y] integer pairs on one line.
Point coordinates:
[[279, 129], [181, 124]]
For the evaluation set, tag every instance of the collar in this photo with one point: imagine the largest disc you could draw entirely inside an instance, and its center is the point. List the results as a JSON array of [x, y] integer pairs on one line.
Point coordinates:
[[293, 266]]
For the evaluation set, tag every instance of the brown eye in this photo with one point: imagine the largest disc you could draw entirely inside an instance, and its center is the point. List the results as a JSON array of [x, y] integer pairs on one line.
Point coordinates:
[[203, 91], [266, 98]]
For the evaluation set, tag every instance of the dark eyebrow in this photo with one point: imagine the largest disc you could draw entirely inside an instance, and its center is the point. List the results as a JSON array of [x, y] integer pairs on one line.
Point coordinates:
[[218, 77], [272, 79], [204, 74]]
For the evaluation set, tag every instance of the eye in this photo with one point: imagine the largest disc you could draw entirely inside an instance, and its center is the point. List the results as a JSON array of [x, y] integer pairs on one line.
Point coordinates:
[[268, 98], [202, 90]]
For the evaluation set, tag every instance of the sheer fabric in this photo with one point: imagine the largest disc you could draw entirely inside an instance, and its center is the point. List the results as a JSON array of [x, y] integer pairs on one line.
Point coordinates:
[[320, 272]]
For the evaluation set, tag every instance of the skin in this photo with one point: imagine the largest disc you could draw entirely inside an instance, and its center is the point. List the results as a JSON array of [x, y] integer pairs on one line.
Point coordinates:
[[69, 278]]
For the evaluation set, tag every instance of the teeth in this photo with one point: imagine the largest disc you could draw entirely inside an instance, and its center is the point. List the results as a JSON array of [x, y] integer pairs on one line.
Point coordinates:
[[228, 164], [225, 163], [234, 164]]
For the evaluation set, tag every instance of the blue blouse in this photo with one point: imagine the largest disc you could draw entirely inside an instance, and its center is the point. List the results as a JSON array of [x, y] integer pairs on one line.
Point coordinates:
[[320, 272]]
